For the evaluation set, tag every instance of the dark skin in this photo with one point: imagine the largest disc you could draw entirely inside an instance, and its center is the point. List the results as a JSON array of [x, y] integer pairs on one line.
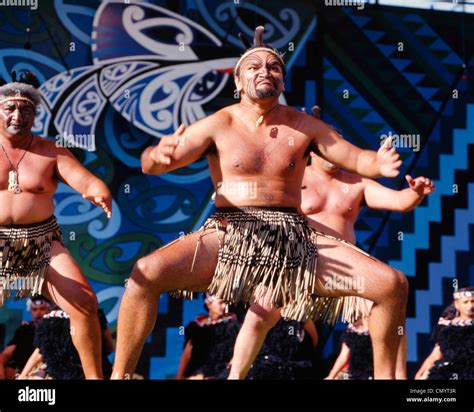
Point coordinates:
[[245, 152], [43, 164], [16, 119], [269, 155], [40, 169]]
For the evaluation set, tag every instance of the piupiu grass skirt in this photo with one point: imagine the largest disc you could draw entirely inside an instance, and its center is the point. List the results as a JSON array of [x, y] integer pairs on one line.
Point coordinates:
[[25, 254], [271, 253]]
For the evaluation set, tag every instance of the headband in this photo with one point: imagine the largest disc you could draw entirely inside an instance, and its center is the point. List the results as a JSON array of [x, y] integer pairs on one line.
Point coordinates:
[[257, 49], [210, 298], [25, 99], [464, 294], [258, 45]]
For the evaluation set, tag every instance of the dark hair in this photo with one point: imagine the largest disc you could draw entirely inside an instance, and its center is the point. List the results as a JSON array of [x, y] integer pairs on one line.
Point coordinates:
[[42, 298], [450, 312]]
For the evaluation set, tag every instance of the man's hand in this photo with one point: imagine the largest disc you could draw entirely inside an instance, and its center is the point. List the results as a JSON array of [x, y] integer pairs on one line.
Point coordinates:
[[421, 185], [388, 160], [104, 201], [163, 152]]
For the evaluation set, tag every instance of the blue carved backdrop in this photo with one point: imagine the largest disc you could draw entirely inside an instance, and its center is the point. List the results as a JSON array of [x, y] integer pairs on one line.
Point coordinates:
[[115, 76]]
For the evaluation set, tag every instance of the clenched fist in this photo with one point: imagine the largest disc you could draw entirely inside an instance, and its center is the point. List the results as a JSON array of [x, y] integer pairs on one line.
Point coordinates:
[[163, 152]]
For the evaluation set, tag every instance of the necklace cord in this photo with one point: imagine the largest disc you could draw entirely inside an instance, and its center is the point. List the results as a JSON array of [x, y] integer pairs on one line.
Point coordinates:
[[16, 180], [22, 156], [262, 115]]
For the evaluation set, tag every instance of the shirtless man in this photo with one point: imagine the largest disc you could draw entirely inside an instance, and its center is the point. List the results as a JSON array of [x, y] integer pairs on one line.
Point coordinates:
[[30, 239], [257, 247], [331, 200]]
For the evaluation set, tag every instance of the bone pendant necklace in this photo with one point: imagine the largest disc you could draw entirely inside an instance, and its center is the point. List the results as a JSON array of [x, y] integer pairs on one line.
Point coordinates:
[[13, 185], [262, 116], [13, 182]]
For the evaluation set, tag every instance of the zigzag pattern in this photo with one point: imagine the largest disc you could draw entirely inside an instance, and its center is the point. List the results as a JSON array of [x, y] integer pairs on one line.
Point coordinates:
[[449, 245], [422, 74], [454, 117], [359, 123], [423, 215], [389, 48], [165, 366]]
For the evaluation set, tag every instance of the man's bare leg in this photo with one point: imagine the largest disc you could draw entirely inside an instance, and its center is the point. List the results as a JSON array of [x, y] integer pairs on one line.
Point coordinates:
[[401, 368], [258, 322], [385, 286], [166, 269], [68, 288]]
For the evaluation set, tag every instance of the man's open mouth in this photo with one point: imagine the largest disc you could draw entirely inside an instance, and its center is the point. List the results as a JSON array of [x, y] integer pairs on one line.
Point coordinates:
[[266, 82]]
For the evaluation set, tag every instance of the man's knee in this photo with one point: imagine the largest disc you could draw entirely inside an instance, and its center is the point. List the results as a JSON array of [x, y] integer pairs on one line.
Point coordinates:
[[403, 285], [398, 285], [262, 318], [146, 274], [86, 303]]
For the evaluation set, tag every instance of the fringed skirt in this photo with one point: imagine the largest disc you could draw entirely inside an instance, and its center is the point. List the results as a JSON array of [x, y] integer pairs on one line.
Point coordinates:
[[25, 254], [271, 253]]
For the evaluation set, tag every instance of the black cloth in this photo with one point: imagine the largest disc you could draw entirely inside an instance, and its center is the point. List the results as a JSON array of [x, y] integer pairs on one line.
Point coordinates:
[[53, 338], [285, 355], [106, 365], [23, 339], [456, 342], [361, 361], [213, 344]]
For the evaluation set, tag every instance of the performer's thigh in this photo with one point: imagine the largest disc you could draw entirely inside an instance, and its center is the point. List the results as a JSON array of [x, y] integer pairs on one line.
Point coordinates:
[[344, 271], [183, 264], [65, 284]]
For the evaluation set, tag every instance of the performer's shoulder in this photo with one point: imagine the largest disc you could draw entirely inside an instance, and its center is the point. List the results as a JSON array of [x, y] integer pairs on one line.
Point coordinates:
[[354, 178], [299, 114], [45, 146], [200, 320], [294, 111], [302, 120], [213, 122], [225, 115]]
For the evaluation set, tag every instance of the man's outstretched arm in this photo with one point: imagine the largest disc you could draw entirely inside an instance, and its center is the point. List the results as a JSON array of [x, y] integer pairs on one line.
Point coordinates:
[[380, 197], [334, 148], [71, 171], [183, 147]]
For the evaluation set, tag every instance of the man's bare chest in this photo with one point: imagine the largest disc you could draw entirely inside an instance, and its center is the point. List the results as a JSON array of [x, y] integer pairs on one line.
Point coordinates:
[[339, 198], [276, 150], [34, 174]]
